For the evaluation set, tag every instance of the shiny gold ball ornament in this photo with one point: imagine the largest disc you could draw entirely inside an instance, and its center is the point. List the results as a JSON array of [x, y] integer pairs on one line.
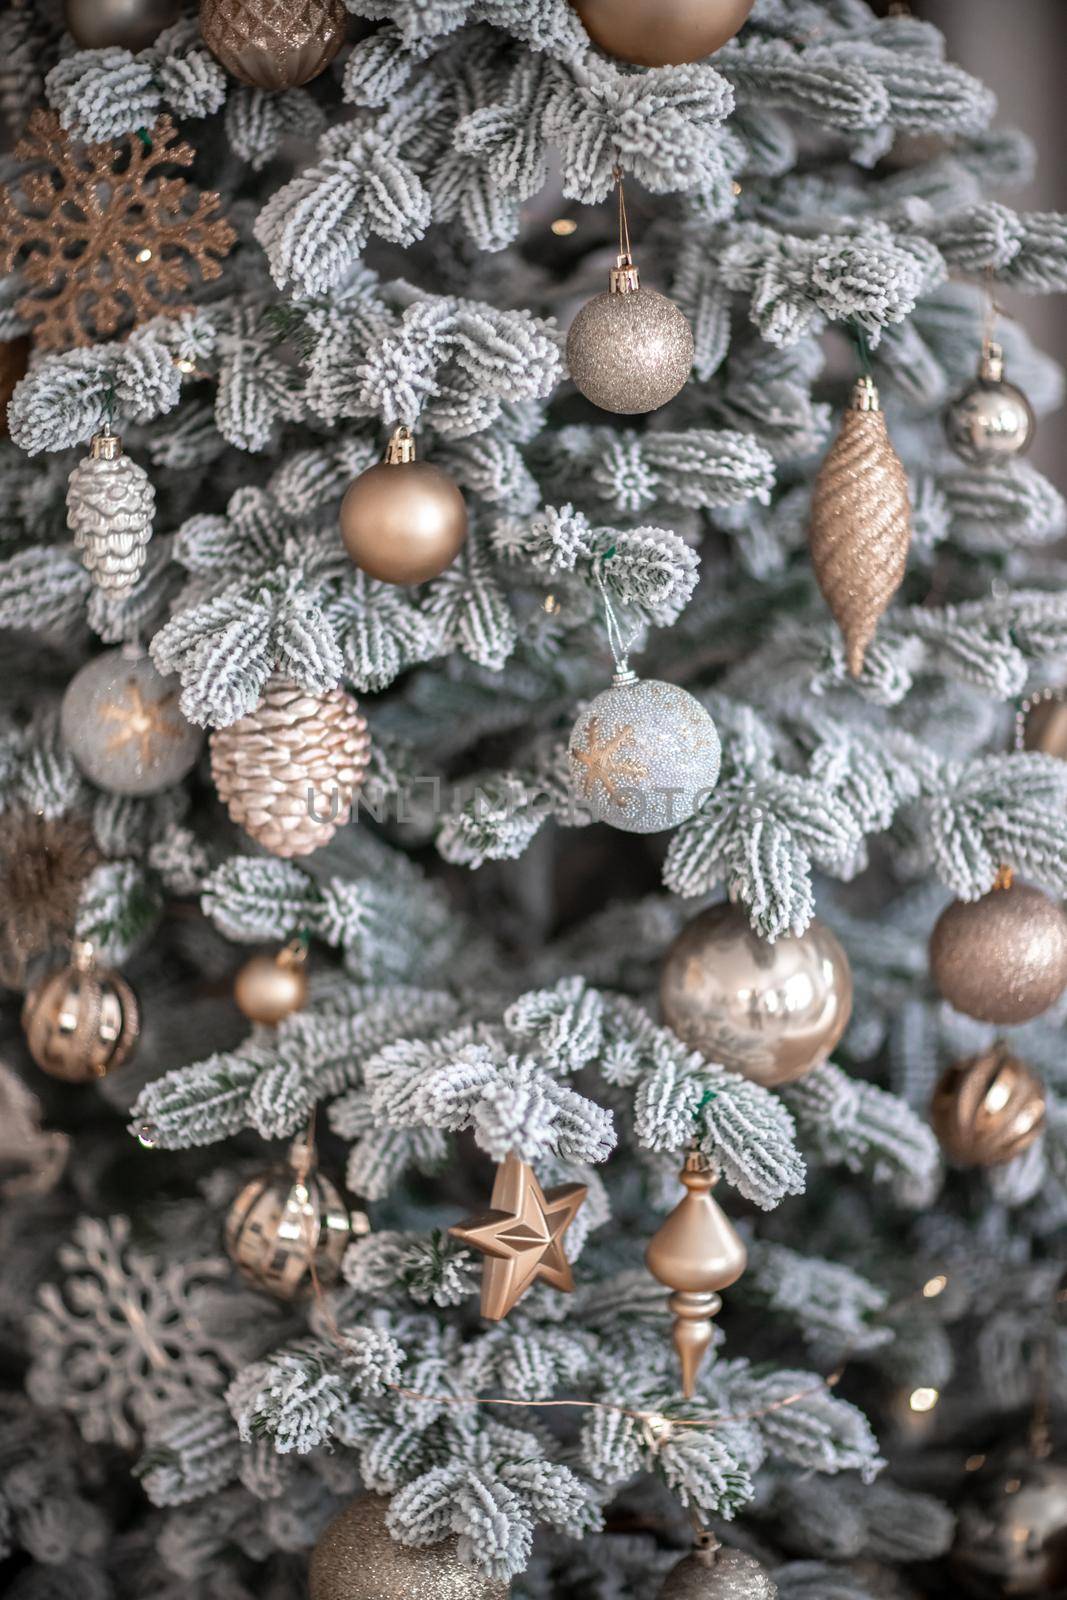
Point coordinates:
[[122, 723], [644, 754], [356, 1558], [860, 527], [289, 771], [1011, 1533], [81, 1021], [768, 1011], [991, 420], [131, 24], [288, 1229], [1002, 958], [403, 521], [719, 1574], [629, 350], [696, 1252], [270, 988], [661, 33], [988, 1109], [273, 44]]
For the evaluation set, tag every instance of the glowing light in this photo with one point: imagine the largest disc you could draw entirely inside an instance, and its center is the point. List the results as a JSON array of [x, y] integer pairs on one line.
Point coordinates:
[[923, 1399], [550, 604], [935, 1286], [736, 187], [143, 255], [974, 1463], [183, 364], [563, 227]]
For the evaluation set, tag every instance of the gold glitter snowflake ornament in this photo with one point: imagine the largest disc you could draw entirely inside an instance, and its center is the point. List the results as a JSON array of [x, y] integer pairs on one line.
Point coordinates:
[[101, 236]]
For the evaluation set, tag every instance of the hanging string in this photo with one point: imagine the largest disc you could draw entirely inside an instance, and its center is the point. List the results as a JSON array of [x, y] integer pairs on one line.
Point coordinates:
[[859, 333], [619, 642], [625, 258]]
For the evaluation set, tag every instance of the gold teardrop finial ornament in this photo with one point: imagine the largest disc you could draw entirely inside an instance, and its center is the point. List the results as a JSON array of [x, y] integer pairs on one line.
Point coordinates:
[[696, 1252], [860, 526]]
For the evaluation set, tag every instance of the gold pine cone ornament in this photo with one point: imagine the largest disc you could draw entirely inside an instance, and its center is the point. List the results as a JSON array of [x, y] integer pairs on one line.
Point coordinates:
[[81, 1021], [860, 527]]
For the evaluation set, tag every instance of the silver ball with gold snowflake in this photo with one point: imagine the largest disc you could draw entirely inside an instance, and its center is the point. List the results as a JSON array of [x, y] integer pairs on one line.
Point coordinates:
[[122, 723], [643, 755]]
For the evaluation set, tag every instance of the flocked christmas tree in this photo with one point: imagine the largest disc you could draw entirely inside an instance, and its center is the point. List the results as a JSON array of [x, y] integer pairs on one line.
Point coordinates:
[[543, 718]]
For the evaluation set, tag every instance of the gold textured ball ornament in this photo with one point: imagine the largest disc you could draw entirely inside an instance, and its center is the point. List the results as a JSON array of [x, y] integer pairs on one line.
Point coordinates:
[[768, 1011], [403, 521], [629, 350], [356, 1558], [860, 527], [270, 988], [1011, 1533], [988, 1109], [662, 33], [131, 24], [288, 1229], [991, 420], [81, 1021], [273, 44], [719, 1574], [1002, 958]]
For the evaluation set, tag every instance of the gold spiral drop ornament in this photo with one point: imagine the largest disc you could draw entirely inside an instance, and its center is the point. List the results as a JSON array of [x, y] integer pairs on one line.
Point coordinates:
[[860, 523]]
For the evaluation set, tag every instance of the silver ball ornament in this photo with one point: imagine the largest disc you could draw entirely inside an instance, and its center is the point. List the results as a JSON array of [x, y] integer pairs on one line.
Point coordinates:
[[771, 1012], [643, 755], [722, 1574], [629, 350], [132, 24], [122, 724], [357, 1558], [991, 420]]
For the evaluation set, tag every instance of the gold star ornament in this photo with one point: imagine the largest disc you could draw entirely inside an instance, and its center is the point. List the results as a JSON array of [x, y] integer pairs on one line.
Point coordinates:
[[521, 1237]]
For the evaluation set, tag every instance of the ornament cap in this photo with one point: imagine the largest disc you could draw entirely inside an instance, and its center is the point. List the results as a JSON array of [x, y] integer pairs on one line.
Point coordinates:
[[401, 448], [82, 955], [105, 446], [991, 366], [865, 396], [624, 277], [623, 674]]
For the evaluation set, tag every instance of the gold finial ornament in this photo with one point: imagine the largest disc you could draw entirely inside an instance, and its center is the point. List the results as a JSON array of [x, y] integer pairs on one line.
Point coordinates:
[[81, 1021], [988, 1109], [521, 1237], [696, 1252], [269, 988], [860, 526]]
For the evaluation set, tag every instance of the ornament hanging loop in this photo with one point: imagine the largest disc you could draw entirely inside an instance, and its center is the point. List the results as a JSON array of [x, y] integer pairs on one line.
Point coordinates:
[[401, 447], [624, 277], [620, 643]]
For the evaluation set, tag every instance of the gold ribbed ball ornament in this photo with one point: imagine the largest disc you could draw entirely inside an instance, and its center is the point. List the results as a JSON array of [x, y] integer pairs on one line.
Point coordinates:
[[404, 520], [1002, 958], [1011, 1532], [356, 1558], [991, 420], [629, 350], [661, 33], [860, 527], [14, 364], [270, 988], [81, 1021], [988, 1109], [768, 1011], [288, 1229], [719, 1573], [131, 24], [273, 44]]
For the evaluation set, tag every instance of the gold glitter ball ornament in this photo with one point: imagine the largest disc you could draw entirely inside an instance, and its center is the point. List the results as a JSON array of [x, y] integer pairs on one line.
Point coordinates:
[[81, 1021], [356, 1558], [643, 755], [988, 1109], [719, 1574], [122, 723], [131, 24], [273, 44], [991, 420], [860, 527], [662, 33], [1002, 958], [1011, 1533], [268, 989], [768, 1011], [629, 350], [289, 771], [403, 521], [289, 1228]]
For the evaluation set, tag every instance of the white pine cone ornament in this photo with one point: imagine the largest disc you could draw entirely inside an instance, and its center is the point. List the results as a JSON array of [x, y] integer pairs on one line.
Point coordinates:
[[110, 506], [289, 771]]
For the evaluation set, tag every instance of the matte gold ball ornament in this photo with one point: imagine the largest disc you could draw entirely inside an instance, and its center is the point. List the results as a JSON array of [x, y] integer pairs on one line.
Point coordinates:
[[288, 1229], [81, 1021], [992, 420], [715, 1572], [273, 44], [1011, 1533], [771, 1012], [131, 24], [1002, 958], [403, 521], [987, 1109], [356, 1558], [660, 33], [268, 988]]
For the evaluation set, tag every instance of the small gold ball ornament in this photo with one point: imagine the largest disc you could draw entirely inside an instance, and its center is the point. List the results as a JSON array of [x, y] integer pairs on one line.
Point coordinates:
[[356, 1558], [288, 1229], [81, 1021], [661, 33], [269, 45], [1002, 958], [988, 1109], [131, 24], [768, 1011], [403, 521], [629, 350], [1011, 1534], [270, 988], [991, 420], [718, 1573]]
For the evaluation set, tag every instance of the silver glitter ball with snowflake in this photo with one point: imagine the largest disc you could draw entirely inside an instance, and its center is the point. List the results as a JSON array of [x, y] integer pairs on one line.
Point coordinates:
[[110, 507], [122, 723], [643, 755], [991, 420], [719, 1575]]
